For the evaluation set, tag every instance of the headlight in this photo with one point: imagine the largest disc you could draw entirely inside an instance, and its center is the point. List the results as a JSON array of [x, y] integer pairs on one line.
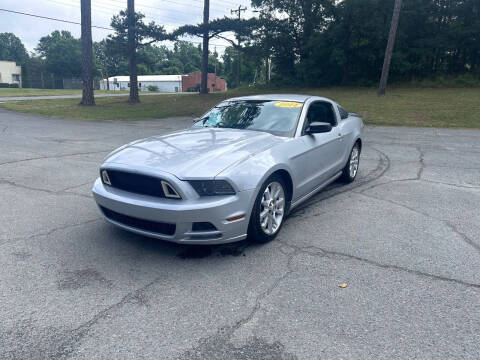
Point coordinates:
[[212, 187]]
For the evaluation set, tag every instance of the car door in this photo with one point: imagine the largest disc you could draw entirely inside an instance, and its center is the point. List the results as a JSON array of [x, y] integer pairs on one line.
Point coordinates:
[[324, 150]]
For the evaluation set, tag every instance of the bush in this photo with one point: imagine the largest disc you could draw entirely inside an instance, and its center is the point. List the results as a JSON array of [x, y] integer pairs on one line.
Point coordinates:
[[447, 81], [15, 86], [4, 85], [152, 88]]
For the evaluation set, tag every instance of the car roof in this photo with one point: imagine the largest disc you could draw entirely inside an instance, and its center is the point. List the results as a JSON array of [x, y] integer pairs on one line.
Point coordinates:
[[279, 97]]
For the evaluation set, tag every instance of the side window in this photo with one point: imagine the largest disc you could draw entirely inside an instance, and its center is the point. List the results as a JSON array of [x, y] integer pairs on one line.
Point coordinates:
[[343, 112], [320, 111]]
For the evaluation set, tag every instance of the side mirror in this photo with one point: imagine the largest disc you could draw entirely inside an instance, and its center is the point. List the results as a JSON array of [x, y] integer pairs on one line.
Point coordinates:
[[196, 120], [318, 127]]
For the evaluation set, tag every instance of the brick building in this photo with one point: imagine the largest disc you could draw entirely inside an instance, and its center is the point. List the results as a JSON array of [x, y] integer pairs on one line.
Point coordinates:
[[191, 82]]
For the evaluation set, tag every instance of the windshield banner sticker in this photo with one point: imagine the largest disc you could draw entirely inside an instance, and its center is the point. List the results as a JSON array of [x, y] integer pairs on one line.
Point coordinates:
[[288, 104]]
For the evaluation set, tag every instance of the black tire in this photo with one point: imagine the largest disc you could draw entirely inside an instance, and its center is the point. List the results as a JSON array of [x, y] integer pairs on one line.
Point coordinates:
[[255, 231], [347, 176]]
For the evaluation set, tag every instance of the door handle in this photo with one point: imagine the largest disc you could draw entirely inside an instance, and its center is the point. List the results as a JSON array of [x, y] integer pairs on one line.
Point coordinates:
[[339, 134]]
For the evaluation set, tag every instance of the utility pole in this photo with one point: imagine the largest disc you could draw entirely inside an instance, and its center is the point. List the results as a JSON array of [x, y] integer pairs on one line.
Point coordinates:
[[132, 52], [203, 85], [88, 98], [238, 11], [215, 54], [389, 50]]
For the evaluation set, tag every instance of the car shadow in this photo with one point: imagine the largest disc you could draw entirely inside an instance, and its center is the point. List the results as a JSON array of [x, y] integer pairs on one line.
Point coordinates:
[[181, 251]]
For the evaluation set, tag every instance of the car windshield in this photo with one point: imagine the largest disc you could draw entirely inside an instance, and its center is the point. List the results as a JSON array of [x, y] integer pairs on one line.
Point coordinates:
[[276, 117]]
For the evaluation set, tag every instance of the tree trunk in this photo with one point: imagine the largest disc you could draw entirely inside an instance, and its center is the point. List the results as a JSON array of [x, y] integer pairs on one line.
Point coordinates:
[[87, 59], [204, 85], [389, 50], [267, 71], [132, 52]]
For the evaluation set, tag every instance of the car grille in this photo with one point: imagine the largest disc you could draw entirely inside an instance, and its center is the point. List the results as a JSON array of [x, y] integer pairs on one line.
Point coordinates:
[[136, 183], [146, 225]]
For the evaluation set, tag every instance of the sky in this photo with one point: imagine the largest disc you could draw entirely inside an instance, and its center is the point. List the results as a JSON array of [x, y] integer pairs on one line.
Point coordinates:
[[169, 13]]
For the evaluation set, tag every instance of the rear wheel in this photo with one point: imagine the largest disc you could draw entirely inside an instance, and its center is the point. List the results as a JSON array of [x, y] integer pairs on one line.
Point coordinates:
[[350, 170], [269, 210]]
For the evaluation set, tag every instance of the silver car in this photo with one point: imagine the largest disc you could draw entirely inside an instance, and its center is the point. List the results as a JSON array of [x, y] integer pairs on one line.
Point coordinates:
[[236, 173]]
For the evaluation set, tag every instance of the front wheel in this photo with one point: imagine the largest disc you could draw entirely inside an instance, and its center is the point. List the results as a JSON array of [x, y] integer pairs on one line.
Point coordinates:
[[269, 211], [350, 170]]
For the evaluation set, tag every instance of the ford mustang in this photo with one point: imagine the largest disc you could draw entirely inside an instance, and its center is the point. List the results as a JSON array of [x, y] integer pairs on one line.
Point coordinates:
[[236, 173]]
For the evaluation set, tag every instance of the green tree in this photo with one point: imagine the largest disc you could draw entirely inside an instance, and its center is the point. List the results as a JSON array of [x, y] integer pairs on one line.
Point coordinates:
[[62, 54], [343, 42], [131, 34], [12, 49]]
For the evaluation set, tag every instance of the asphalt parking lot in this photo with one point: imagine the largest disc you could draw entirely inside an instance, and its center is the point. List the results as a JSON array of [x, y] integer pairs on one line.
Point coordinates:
[[405, 238]]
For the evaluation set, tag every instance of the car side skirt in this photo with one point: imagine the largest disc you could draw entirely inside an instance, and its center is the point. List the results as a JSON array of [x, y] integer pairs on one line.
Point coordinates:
[[314, 191]]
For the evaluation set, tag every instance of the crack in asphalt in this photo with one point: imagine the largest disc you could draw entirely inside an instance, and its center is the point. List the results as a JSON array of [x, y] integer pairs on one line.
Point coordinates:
[[260, 297], [446, 222], [9, 241], [421, 161], [224, 334], [55, 156], [77, 334], [76, 186], [451, 184], [51, 192], [336, 254], [470, 187], [418, 177]]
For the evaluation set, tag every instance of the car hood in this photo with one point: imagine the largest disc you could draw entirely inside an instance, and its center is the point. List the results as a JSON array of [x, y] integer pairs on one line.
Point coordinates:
[[195, 153]]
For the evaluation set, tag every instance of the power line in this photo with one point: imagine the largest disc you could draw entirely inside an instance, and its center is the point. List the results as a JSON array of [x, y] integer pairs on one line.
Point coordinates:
[[112, 8], [226, 2], [94, 6], [162, 9], [54, 19], [77, 23], [117, 5]]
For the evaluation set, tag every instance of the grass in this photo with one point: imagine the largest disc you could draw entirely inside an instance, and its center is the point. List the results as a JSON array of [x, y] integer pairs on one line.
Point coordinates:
[[42, 92], [446, 107]]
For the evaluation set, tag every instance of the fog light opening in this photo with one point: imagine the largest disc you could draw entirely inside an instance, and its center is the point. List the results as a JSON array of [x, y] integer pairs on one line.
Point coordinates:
[[203, 226]]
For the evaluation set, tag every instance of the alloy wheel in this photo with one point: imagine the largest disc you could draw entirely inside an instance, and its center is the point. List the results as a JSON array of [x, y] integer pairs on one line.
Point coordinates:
[[354, 160], [272, 208]]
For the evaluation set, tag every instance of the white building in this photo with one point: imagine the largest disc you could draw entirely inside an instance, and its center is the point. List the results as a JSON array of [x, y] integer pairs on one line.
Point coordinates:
[[10, 73], [164, 83]]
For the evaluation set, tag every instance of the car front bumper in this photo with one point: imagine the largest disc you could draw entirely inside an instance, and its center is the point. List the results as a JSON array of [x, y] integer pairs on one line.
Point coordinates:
[[135, 210]]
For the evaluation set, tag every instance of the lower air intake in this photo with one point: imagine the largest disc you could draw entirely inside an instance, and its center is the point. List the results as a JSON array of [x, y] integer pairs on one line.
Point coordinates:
[[141, 224]]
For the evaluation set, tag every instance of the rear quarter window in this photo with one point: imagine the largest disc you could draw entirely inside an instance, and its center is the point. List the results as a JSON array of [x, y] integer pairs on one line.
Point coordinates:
[[343, 113]]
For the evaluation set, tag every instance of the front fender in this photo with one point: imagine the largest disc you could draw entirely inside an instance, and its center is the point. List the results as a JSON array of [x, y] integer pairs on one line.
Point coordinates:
[[252, 173]]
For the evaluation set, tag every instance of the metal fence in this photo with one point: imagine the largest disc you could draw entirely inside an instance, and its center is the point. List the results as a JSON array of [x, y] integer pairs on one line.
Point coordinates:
[[49, 81]]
